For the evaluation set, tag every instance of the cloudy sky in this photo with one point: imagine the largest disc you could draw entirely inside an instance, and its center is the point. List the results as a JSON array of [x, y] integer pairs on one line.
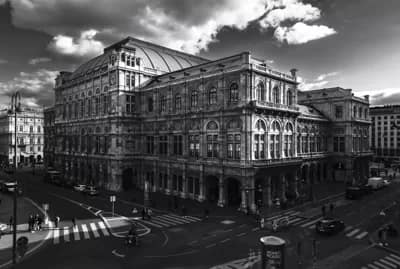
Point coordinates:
[[348, 43]]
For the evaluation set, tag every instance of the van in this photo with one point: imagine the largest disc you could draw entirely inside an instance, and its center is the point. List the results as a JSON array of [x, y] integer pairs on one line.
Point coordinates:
[[376, 183]]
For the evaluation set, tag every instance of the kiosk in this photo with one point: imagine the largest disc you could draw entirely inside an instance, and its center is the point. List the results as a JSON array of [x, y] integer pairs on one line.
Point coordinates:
[[272, 252]]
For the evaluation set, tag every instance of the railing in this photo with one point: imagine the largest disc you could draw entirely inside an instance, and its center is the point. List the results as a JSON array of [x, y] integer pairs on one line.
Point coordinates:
[[272, 72], [275, 105]]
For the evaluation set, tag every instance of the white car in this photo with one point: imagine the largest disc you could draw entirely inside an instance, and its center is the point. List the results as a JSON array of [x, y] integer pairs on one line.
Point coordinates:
[[80, 187], [386, 182]]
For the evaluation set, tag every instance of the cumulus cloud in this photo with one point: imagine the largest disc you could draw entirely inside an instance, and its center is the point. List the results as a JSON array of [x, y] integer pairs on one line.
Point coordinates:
[[2, 61], [301, 33], [188, 25], [36, 61], [382, 96], [36, 88], [85, 45], [318, 83], [324, 76]]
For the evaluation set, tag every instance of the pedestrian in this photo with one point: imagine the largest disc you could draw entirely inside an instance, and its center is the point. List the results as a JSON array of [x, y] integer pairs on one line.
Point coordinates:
[[57, 221], [30, 223], [323, 209], [40, 221], [74, 222], [331, 207], [143, 213], [37, 222], [206, 213], [11, 222], [149, 213], [134, 211]]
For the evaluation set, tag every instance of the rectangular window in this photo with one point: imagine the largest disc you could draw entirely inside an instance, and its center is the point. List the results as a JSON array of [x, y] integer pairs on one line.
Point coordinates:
[[150, 104], [130, 103], [256, 146], [238, 146], [178, 145], [163, 145], [212, 146], [150, 144], [194, 146], [230, 146], [339, 112], [104, 97]]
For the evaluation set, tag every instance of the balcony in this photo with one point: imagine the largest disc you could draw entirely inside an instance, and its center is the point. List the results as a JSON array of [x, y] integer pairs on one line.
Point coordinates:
[[272, 72], [275, 106], [277, 162]]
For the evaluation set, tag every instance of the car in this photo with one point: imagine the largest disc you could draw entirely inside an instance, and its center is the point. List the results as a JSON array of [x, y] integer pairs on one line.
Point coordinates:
[[355, 192], [91, 190], [386, 182], [329, 226], [80, 187]]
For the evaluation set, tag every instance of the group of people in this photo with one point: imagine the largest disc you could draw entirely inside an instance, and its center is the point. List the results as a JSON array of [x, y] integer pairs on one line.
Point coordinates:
[[323, 209], [35, 223], [146, 213]]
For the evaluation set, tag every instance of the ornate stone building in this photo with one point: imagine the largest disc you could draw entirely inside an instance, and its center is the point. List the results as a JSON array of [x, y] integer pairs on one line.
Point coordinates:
[[230, 131], [29, 136]]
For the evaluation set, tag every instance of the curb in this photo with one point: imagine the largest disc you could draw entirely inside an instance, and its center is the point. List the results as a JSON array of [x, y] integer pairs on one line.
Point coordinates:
[[29, 252]]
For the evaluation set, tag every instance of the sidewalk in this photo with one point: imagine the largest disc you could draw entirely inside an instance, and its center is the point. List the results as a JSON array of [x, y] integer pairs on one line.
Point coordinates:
[[25, 208]]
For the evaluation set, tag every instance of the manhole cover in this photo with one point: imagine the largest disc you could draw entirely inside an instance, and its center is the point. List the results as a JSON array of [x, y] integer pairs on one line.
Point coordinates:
[[227, 222]]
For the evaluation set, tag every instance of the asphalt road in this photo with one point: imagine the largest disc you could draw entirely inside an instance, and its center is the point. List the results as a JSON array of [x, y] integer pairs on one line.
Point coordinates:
[[198, 243]]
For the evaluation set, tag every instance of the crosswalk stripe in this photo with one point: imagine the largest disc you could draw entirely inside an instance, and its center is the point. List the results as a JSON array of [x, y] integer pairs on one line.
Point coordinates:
[[312, 226], [361, 235], [77, 237], [94, 230], [66, 234], [348, 228], [150, 223], [299, 222], [170, 220], [56, 236], [294, 220], [381, 265], [103, 228], [184, 219], [395, 257], [352, 232], [311, 222], [187, 218], [193, 218], [160, 222], [372, 266], [282, 215], [393, 260], [85, 231], [388, 263]]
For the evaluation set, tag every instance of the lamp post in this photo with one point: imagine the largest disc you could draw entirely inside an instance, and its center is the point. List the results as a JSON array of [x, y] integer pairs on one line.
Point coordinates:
[[15, 107]]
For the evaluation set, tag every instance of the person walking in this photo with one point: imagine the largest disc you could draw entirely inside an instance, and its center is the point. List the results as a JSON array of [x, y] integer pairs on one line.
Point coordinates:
[[37, 222], [183, 211], [40, 221], [74, 222], [206, 213], [11, 222], [143, 213], [31, 222], [57, 221], [149, 213]]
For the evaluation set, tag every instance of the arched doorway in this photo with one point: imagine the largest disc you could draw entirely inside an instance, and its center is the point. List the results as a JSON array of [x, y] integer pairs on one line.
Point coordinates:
[[127, 175], [212, 189], [234, 193]]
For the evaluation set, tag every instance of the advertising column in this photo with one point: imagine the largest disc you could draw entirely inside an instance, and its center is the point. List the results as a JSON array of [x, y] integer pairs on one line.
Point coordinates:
[[272, 252]]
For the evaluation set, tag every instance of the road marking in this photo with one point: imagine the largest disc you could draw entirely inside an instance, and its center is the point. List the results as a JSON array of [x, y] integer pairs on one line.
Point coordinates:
[[178, 219], [294, 220], [310, 222], [361, 235], [393, 260], [56, 236], [103, 228], [255, 229], [239, 235], [312, 226], [97, 212], [352, 232], [85, 231], [117, 254], [388, 263], [283, 214], [166, 239], [381, 265], [348, 228], [168, 220], [159, 222], [395, 257], [94, 230], [66, 234], [372, 266], [77, 237], [152, 224], [193, 242], [226, 240], [210, 246]]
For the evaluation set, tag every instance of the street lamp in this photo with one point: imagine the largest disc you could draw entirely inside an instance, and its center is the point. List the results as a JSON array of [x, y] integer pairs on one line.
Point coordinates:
[[15, 107]]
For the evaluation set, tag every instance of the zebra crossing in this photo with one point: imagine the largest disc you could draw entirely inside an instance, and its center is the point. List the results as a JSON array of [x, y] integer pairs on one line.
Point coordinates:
[[294, 218], [169, 220], [390, 261], [82, 231]]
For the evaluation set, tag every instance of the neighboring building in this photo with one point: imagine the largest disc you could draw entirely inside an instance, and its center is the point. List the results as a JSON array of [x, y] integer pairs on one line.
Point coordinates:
[[49, 137], [29, 136], [229, 131], [385, 132]]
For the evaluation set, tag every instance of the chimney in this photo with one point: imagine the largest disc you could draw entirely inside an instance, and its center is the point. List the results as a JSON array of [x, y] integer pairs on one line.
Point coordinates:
[[293, 71], [366, 97]]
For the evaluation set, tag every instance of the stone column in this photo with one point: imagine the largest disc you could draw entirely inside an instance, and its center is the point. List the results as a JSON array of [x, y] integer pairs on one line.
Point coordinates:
[[185, 184], [221, 191], [251, 194], [283, 190], [169, 181], [243, 205], [201, 186], [296, 183], [268, 199]]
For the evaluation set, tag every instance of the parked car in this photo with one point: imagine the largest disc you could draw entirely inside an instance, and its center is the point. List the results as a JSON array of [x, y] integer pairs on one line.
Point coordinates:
[[386, 182], [329, 226], [355, 192], [91, 190], [10, 187], [376, 183], [80, 187]]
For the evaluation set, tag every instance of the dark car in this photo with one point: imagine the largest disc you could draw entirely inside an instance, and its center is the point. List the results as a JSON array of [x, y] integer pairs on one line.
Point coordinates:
[[329, 226], [355, 192], [91, 190]]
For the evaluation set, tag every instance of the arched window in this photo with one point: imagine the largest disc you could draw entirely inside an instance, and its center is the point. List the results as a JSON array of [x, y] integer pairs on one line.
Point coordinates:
[[289, 97], [234, 93], [354, 111], [288, 140], [178, 102], [259, 140], [274, 141], [212, 140], [366, 113], [275, 95], [194, 98], [260, 91], [212, 96]]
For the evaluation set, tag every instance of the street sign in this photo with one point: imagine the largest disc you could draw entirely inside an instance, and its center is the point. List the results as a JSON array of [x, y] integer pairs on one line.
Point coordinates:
[[112, 198], [45, 206]]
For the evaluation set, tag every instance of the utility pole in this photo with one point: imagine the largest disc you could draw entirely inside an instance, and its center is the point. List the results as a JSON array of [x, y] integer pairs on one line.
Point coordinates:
[[15, 107]]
